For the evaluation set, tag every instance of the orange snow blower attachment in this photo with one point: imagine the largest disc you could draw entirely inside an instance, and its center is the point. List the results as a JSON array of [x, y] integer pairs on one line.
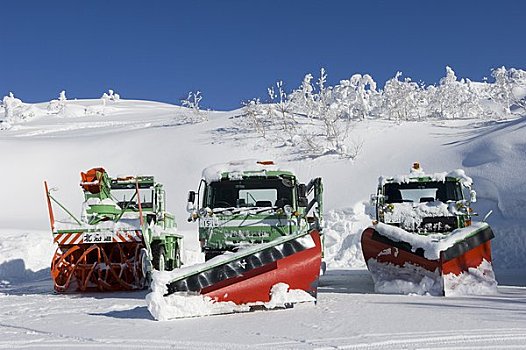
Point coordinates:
[[110, 247], [91, 180], [103, 267]]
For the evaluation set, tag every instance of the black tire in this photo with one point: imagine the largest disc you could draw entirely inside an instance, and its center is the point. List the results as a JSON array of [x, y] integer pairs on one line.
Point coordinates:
[[177, 261], [158, 257], [210, 255], [323, 268]]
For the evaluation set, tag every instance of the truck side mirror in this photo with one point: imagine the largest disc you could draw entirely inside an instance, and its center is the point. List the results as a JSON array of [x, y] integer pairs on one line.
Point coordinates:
[[302, 195], [472, 196], [190, 207], [375, 198]]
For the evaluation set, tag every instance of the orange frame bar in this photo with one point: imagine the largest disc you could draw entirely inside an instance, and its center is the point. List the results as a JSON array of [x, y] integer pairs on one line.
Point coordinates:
[[49, 208]]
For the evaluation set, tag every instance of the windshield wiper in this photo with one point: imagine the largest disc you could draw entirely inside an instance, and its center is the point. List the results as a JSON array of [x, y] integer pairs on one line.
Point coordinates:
[[220, 210], [255, 209]]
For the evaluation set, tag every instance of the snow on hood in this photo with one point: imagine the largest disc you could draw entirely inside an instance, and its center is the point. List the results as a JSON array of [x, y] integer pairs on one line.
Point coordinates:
[[410, 216], [432, 244], [236, 168]]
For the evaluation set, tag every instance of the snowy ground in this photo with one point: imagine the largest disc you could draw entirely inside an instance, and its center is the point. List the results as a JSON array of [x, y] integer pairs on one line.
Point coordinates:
[[348, 316], [140, 137]]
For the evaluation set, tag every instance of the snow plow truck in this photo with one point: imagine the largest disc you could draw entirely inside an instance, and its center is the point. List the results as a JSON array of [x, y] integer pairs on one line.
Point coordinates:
[[258, 226], [424, 240], [123, 233]]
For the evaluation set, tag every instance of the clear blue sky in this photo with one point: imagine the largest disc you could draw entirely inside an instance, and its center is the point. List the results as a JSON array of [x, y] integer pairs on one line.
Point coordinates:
[[233, 50]]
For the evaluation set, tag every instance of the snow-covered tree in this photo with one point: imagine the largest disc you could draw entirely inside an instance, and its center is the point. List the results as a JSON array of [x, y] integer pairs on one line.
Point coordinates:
[[509, 88], [449, 97], [111, 96], [302, 99], [402, 99], [281, 109], [10, 103], [192, 102], [58, 106], [256, 116], [319, 119], [354, 97]]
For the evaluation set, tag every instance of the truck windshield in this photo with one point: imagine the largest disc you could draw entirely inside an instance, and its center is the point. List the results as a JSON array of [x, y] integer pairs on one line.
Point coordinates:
[[256, 192], [420, 192]]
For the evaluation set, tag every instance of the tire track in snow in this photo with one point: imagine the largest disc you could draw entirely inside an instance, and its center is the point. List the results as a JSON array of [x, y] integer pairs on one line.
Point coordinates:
[[468, 339], [56, 340], [507, 338]]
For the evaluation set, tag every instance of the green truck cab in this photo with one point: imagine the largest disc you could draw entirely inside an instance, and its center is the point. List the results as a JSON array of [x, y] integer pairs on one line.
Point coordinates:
[[425, 203], [249, 202]]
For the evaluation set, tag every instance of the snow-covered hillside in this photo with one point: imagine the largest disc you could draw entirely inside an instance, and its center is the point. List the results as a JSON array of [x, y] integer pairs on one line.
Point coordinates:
[[175, 144]]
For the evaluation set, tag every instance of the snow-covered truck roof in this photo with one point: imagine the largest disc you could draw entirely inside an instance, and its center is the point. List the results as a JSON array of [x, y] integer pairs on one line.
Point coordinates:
[[129, 181], [238, 169], [457, 175]]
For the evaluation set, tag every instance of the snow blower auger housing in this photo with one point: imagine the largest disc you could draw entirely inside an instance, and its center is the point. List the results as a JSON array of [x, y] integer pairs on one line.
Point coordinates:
[[124, 231], [268, 222], [423, 239]]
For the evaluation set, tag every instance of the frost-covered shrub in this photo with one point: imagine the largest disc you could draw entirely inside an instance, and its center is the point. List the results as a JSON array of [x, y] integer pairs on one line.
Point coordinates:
[[110, 96], [402, 99], [452, 99], [312, 120], [11, 106], [256, 117], [16, 111], [318, 119], [192, 102], [509, 88], [58, 106]]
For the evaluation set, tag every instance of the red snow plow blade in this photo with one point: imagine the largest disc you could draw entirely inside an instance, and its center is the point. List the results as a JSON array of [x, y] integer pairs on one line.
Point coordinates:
[[397, 260], [248, 276]]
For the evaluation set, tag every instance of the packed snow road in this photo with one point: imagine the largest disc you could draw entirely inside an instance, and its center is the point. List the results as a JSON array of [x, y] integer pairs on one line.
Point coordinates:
[[349, 315]]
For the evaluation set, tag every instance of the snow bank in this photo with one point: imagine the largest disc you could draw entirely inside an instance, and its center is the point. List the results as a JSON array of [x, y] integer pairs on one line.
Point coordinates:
[[342, 234], [182, 305], [392, 279], [410, 279], [188, 305], [24, 253], [432, 244], [477, 281]]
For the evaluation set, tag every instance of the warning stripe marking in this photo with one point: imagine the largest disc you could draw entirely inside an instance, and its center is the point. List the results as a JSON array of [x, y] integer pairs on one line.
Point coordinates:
[[77, 237], [129, 236], [68, 238]]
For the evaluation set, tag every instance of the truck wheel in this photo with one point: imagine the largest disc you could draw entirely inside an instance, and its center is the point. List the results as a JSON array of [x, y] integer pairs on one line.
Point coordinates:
[[158, 257], [177, 261], [323, 268], [210, 255]]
